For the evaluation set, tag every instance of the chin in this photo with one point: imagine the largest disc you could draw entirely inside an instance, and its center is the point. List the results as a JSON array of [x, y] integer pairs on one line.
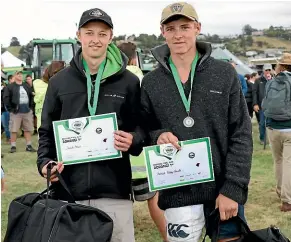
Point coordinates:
[[180, 52], [96, 55]]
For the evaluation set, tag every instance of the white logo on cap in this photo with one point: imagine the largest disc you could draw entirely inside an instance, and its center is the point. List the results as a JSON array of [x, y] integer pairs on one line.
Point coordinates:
[[96, 13], [177, 7]]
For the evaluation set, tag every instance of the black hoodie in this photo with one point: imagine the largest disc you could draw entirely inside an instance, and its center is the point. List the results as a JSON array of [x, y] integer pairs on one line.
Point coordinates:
[[220, 112], [66, 98]]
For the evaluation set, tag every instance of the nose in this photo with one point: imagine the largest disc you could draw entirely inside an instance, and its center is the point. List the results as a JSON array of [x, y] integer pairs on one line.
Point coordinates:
[[178, 34], [95, 38]]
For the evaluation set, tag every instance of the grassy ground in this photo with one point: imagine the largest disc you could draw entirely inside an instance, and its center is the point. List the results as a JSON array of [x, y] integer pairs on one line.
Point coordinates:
[[262, 208]]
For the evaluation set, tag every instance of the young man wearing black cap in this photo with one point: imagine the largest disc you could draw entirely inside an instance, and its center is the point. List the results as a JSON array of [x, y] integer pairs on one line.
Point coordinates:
[[197, 96], [103, 184]]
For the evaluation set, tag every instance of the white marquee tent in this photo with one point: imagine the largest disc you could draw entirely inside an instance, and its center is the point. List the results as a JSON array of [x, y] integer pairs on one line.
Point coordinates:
[[10, 60]]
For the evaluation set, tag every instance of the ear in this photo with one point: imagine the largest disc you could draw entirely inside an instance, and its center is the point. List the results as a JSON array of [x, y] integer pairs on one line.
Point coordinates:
[[162, 30], [111, 36], [78, 34], [198, 28]]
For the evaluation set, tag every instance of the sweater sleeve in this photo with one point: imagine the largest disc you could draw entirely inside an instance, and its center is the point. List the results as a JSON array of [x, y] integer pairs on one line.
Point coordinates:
[[240, 147], [255, 92], [151, 125]]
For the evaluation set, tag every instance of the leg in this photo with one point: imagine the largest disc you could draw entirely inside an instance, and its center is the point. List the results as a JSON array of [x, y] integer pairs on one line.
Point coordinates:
[[257, 117], [277, 151], [262, 127], [35, 123], [13, 138], [5, 123], [2, 181], [286, 178], [121, 212], [142, 193], [185, 224], [27, 136], [28, 129], [250, 109], [14, 126], [157, 215]]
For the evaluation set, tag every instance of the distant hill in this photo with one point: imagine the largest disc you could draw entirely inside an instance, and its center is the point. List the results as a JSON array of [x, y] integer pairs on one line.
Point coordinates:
[[260, 43], [272, 43], [14, 50]]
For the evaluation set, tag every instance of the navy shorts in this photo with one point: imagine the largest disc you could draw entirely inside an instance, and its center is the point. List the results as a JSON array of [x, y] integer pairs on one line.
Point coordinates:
[[230, 229], [227, 229]]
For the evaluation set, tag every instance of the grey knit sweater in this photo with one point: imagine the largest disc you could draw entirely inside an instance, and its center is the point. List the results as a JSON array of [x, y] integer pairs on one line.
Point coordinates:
[[220, 112]]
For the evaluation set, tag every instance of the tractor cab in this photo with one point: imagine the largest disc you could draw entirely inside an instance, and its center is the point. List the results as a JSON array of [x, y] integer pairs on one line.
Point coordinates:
[[43, 52]]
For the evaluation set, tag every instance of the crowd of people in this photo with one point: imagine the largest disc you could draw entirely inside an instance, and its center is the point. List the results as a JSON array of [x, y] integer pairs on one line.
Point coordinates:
[[189, 95]]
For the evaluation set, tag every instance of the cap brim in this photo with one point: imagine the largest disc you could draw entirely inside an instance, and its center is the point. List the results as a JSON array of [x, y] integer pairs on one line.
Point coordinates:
[[182, 15], [96, 20], [283, 63]]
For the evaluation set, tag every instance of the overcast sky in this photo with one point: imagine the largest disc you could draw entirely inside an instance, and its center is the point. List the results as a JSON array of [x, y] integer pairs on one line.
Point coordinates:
[[57, 19]]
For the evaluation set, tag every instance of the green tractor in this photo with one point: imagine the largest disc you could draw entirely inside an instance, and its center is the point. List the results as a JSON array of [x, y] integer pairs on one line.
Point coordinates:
[[42, 52], [46, 51], [145, 61]]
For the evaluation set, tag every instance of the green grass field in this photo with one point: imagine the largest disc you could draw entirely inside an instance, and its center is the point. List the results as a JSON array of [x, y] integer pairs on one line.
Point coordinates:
[[262, 208]]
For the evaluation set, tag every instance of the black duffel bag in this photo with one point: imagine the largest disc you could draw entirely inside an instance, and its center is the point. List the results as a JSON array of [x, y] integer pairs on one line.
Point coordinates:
[[271, 234], [36, 217]]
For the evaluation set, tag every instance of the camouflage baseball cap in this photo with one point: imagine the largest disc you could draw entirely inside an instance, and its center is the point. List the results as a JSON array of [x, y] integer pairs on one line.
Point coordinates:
[[180, 8]]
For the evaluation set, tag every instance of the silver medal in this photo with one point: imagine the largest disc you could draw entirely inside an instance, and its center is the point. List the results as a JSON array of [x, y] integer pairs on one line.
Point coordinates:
[[188, 122]]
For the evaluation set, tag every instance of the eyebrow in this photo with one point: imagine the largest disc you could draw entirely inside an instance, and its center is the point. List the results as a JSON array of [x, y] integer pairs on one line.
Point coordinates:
[[91, 30], [183, 25], [187, 24]]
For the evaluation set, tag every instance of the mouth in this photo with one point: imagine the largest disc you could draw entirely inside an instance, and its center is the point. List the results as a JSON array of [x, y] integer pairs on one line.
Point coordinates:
[[95, 47], [179, 43]]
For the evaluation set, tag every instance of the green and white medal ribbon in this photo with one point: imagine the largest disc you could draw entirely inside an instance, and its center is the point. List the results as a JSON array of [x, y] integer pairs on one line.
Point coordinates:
[[188, 121]]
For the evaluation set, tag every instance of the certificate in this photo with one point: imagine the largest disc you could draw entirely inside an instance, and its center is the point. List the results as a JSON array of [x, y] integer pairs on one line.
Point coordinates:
[[86, 139], [168, 167]]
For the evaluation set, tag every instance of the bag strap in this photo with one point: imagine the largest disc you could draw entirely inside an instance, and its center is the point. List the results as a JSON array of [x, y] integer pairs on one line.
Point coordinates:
[[215, 235], [61, 180]]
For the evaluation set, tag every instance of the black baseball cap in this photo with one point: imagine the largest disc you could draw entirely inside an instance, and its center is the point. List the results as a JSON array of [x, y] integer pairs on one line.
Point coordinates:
[[95, 14]]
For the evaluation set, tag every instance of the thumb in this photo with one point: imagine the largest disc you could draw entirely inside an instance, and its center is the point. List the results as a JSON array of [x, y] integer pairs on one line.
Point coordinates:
[[216, 203]]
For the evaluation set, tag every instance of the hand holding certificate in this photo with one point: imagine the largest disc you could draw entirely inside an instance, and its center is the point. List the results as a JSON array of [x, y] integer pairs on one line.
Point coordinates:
[[168, 167], [86, 139], [123, 140]]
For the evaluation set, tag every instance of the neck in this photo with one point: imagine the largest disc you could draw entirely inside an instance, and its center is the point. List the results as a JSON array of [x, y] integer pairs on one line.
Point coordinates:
[[18, 82], [184, 60], [93, 63]]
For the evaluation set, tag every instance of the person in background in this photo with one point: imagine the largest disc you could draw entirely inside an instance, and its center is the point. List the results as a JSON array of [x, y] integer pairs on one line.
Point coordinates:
[[3, 188], [29, 81], [129, 49], [140, 186], [4, 114], [18, 99], [253, 77], [249, 95], [258, 96], [40, 87], [279, 132], [241, 78]]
